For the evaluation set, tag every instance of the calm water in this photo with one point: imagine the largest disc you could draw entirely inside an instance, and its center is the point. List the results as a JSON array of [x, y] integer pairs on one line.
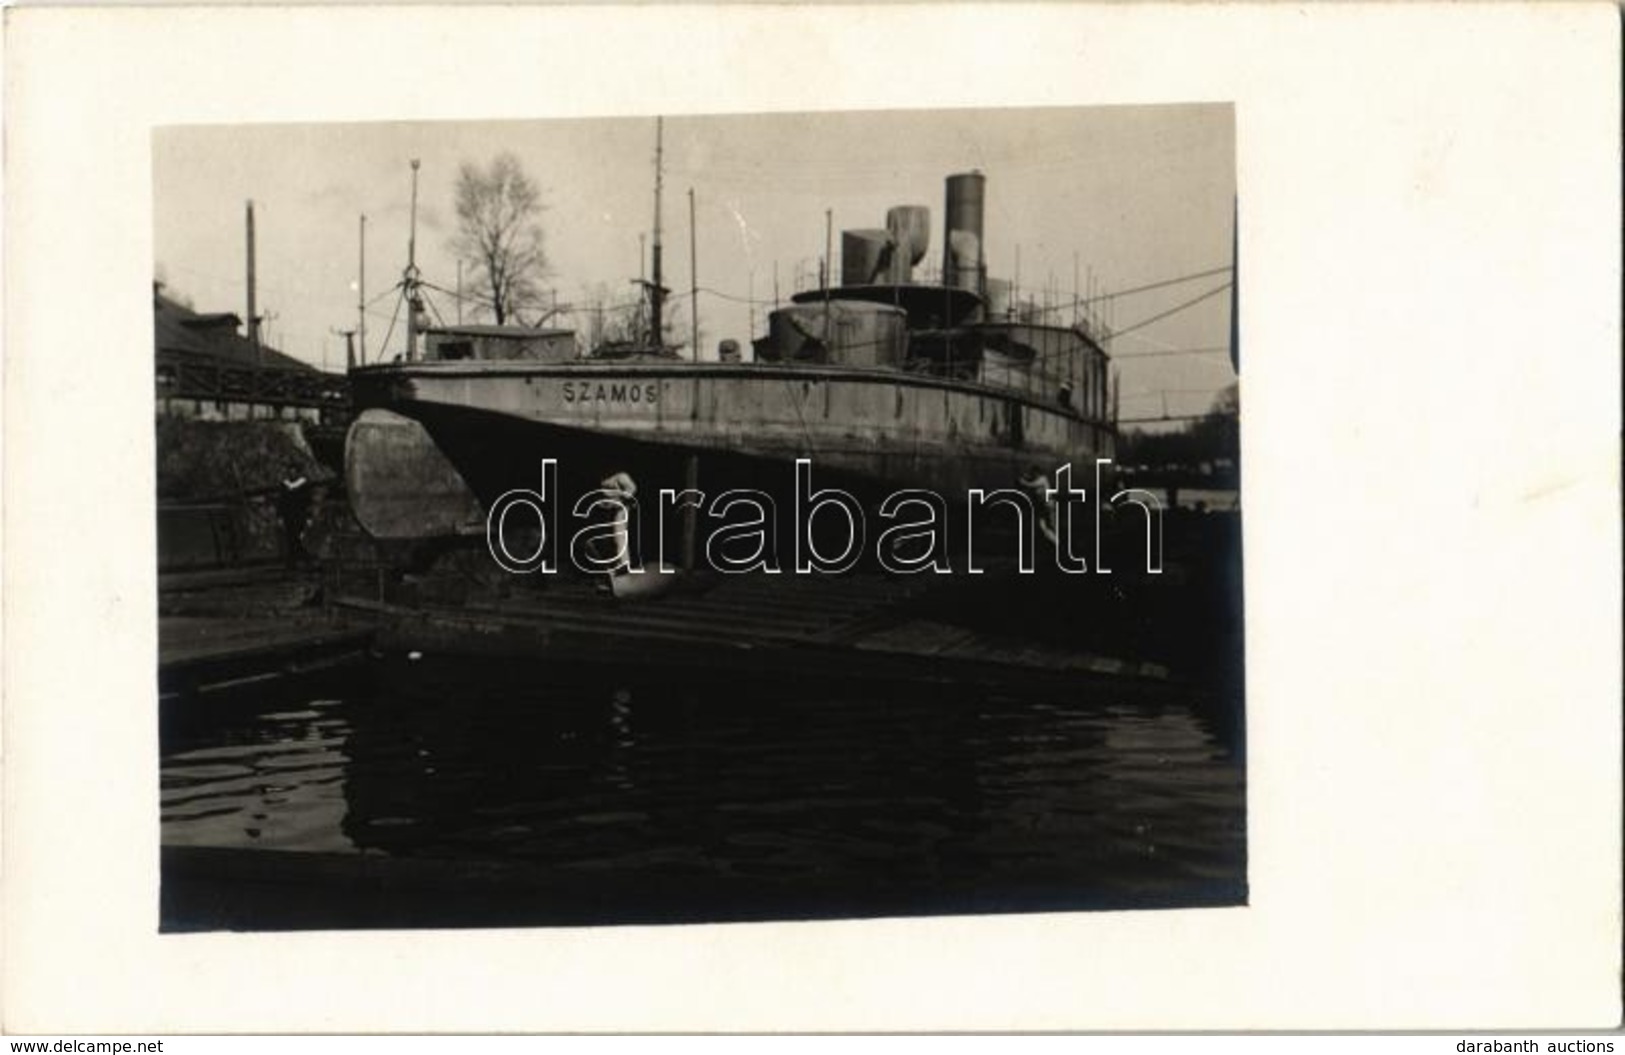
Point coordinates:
[[520, 796]]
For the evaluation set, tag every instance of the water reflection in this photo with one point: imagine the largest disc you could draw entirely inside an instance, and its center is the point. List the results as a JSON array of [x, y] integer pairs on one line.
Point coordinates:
[[756, 796]]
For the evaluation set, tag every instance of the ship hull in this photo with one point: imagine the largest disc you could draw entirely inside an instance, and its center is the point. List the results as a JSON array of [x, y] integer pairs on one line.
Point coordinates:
[[868, 431]]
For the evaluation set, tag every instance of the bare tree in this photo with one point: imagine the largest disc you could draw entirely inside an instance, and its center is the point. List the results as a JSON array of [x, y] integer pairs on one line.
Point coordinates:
[[498, 208]]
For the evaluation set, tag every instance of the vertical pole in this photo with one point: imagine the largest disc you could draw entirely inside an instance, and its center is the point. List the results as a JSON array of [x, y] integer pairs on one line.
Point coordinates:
[[1235, 288], [693, 278], [657, 329], [1111, 320], [1091, 315], [253, 322], [412, 232], [691, 481], [410, 290], [1015, 284], [829, 262], [1108, 308], [1077, 306], [361, 293], [829, 248], [459, 291]]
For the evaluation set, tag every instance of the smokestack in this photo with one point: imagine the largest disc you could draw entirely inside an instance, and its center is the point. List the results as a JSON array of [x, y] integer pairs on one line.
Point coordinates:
[[909, 227], [886, 256], [865, 257], [962, 251], [252, 322]]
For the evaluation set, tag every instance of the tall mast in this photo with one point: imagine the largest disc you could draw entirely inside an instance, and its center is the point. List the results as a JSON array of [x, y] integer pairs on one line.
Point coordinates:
[[693, 279], [657, 292], [409, 281], [361, 293], [412, 233]]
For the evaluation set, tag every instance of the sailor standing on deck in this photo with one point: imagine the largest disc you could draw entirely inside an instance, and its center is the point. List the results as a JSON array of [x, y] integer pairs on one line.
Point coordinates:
[[1036, 483]]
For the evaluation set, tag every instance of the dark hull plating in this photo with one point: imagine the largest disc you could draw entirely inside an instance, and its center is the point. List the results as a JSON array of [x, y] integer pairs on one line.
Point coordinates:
[[872, 430]]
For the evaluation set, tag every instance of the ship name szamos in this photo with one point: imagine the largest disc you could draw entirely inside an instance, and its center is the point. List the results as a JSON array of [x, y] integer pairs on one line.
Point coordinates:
[[610, 392]]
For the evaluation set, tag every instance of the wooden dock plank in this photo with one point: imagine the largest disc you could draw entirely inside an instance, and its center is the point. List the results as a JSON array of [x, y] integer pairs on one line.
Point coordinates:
[[184, 640], [202, 655]]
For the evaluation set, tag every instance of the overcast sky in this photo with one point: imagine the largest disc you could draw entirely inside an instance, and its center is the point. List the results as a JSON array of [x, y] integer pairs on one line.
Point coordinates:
[[1134, 195]]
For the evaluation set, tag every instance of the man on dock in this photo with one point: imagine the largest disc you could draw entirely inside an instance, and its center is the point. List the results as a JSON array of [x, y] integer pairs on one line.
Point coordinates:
[[293, 506]]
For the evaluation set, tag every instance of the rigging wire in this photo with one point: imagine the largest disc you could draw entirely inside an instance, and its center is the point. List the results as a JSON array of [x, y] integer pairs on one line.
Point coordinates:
[[1061, 306], [486, 302], [757, 302], [752, 301], [1215, 349], [1159, 316], [383, 349], [435, 308], [1098, 297], [396, 288]]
